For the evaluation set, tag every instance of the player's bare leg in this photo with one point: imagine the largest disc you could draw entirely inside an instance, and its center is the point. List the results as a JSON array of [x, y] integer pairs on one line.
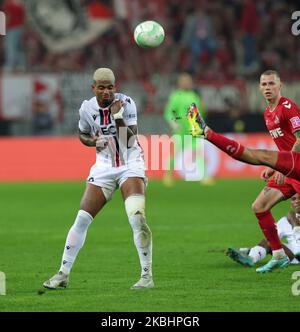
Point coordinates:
[[282, 162], [133, 192], [92, 202]]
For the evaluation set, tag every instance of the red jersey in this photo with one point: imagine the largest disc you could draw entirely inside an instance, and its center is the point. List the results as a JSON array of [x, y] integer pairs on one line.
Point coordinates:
[[282, 122]]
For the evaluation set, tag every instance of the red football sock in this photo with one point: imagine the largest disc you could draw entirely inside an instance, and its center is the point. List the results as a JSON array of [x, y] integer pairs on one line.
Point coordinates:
[[232, 148], [268, 227]]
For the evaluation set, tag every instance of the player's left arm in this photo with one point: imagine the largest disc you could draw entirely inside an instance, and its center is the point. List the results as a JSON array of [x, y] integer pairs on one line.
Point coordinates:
[[126, 134], [292, 117], [296, 146]]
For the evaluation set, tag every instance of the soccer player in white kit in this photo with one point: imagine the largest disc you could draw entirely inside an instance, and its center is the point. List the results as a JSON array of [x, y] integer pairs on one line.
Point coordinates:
[[108, 122]]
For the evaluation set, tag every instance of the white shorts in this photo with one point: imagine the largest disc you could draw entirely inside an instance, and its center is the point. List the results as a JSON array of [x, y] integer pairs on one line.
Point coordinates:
[[111, 178], [284, 229]]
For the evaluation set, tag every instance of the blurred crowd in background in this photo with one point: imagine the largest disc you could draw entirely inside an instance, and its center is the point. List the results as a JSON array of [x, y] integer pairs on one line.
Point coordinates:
[[212, 40]]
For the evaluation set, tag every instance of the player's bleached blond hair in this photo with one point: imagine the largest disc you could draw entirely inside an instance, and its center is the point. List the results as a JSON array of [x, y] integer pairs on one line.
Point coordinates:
[[104, 74]]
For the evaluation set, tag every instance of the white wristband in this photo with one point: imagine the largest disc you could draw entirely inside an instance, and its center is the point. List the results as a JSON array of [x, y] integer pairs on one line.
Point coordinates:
[[119, 115]]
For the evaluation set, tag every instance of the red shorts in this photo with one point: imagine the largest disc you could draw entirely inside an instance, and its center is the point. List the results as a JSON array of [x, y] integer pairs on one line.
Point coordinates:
[[288, 189]]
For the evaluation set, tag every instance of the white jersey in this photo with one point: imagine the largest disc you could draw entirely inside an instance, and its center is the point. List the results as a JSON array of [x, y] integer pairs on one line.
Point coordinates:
[[285, 230], [95, 120]]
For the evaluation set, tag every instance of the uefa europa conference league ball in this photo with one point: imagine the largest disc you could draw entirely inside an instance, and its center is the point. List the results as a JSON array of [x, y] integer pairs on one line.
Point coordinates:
[[149, 34]]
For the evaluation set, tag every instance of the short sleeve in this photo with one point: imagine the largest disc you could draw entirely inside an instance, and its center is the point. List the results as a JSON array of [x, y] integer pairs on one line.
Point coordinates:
[[130, 113], [292, 115], [83, 124]]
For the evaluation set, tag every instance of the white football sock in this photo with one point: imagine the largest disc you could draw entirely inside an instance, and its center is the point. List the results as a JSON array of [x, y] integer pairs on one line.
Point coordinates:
[[75, 240], [143, 242], [257, 253]]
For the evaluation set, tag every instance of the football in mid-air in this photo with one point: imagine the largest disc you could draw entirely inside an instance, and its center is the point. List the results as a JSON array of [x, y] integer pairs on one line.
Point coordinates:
[[149, 34]]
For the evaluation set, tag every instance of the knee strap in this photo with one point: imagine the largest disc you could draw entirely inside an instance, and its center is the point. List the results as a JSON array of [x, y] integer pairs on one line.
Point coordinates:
[[135, 204], [135, 209]]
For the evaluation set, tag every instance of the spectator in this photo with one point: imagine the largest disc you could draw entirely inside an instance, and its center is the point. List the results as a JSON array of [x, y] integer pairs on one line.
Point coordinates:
[[249, 27], [199, 36], [202, 38], [42, 119], [13, 41]]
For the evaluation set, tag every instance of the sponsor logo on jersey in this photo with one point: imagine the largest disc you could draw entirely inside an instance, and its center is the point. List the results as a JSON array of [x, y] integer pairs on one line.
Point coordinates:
[[277, 132], [130, 116], [295, 121], [276, 120], [108, 130]]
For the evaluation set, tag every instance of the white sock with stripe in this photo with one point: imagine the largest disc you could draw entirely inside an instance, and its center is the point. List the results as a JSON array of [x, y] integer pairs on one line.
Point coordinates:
[[75, 240]]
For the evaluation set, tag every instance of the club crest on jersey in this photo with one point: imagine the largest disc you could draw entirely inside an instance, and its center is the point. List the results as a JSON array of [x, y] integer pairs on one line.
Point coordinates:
[[295, 121]]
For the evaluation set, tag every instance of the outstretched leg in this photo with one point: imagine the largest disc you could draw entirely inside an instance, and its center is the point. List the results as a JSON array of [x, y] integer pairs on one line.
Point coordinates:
[[281, 161]]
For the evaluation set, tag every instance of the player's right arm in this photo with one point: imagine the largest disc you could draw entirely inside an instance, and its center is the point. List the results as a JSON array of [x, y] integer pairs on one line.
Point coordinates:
[[267, 173], [87, 139], [85, 129], [99, 141], [86, 135]]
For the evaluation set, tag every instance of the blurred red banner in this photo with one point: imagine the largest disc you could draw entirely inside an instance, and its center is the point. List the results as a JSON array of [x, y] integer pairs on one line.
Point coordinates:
[[65, 158]]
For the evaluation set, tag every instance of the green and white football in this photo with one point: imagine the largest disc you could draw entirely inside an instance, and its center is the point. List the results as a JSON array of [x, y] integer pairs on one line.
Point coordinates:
[[149, 34]]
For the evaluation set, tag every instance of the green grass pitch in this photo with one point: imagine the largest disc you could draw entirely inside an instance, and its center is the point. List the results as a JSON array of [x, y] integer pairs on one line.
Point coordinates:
[[192, 226]]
